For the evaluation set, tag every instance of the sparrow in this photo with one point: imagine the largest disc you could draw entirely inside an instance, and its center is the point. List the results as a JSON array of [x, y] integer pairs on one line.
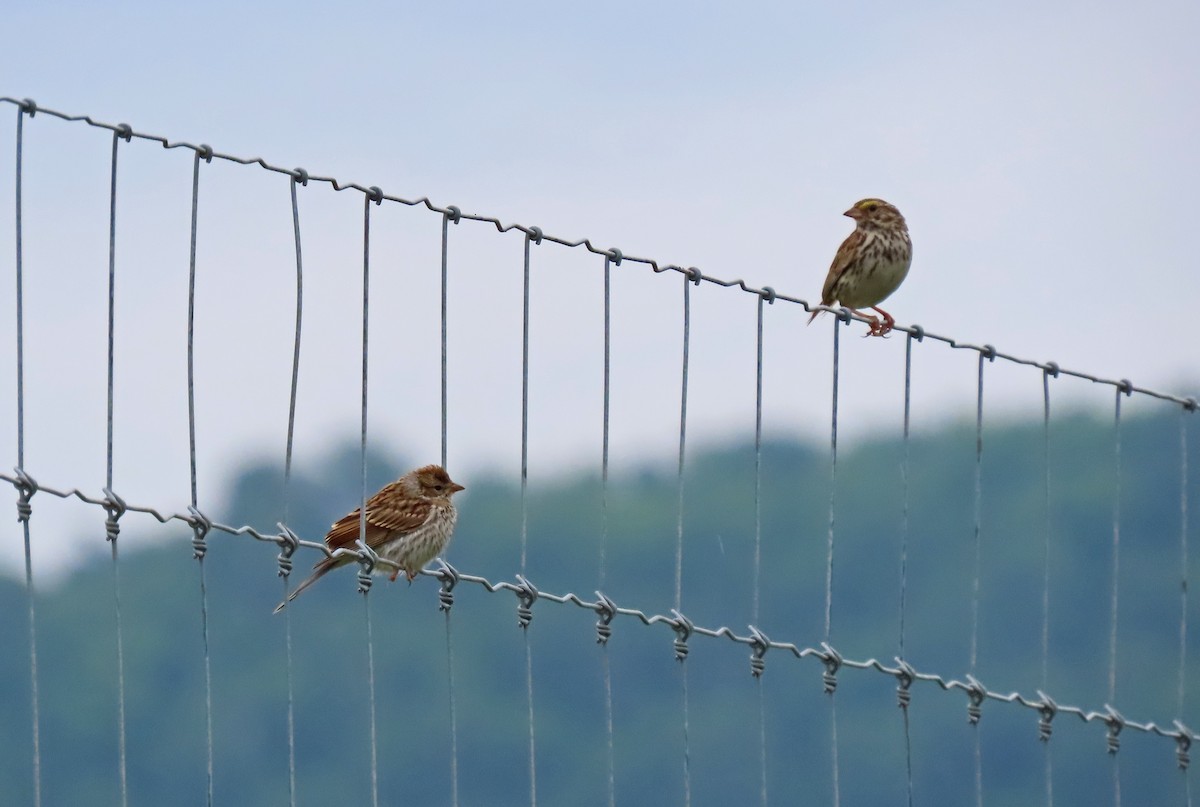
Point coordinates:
[[409, 522], [870, 264]]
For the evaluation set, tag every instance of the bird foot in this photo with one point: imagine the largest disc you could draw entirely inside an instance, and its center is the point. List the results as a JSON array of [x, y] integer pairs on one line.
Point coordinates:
[[392, 577], [881, 327]]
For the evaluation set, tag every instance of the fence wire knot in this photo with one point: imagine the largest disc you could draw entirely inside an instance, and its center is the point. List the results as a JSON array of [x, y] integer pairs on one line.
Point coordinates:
[[527, 594], [300, 175], [200, 524], [124, 131], [1052, 369], [683, 628], [1183, 744], [1115, 723], [535, 234], [759, 645], [1190, 404], [114, 505], [1125, 386], [205, 152], [694, 274], [367, 559], [606, 609], [976, 692], [832, 660], [375, 194], [905, 675], [616, 256], [448, 576], [29, 107], [289, 542], [1047, 709], [917, 332], [768, 294], [26, 487], [453, 214]]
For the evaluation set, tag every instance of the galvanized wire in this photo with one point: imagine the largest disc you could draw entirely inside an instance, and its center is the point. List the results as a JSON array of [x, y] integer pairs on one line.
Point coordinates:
[[453, 716], [1048, 532], [830, 681], [684, 625], [757, 573], [26, 488], [373, 192], [1114, 723], [115, 507], [368, 555], [973, 713], [298, 178], [603, 572], [605, 605], [1183, 590], [902, 692], [534, 237], [199, 527]]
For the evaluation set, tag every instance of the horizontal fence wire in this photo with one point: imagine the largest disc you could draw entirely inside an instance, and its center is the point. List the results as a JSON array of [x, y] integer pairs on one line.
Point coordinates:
[[455, 215], [682, 628]]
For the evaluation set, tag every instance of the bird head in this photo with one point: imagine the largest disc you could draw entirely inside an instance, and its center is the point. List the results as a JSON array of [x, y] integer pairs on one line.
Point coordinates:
[[874, 212], [433, 481]]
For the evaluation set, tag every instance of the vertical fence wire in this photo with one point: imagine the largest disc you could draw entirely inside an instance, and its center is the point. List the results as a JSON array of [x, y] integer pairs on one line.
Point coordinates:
[[362, 513], [683, 396], [835, 772], [977, 572], [605, 661], [23, 511], [197, 526], [525, 517], [1183, 584], [445, 464], [1047, 530], [287, 482], [754, 611], [905, 482], [114, 507], [1114, 593]]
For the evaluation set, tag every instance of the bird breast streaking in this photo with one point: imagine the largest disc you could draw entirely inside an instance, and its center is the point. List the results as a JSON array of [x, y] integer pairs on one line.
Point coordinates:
[[409, 522], [870, 264]]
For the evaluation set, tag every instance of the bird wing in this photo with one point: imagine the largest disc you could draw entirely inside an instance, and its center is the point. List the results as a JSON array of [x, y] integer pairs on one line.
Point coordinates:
[[845, 256], [384, 518]]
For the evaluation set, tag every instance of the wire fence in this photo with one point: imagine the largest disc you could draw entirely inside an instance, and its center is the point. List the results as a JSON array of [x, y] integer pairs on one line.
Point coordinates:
[[1177, 737]]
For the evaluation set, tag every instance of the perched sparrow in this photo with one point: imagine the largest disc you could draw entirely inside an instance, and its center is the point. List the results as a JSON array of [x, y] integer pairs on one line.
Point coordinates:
[[409, 522], [870, 264]]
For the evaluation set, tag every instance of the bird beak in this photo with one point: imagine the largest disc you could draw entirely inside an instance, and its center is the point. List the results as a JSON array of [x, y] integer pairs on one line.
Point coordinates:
[[455, 487], [853, 213]]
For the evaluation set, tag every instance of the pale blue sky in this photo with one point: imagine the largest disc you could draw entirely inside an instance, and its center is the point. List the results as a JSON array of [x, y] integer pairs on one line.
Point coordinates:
[[1042, 155]]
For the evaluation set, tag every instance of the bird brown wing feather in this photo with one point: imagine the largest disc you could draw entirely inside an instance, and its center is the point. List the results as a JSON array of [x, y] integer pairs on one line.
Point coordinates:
[[383, 519], [843, 258]]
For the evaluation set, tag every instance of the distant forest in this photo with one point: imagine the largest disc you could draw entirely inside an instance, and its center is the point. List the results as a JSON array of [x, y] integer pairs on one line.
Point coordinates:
[[164, 662]]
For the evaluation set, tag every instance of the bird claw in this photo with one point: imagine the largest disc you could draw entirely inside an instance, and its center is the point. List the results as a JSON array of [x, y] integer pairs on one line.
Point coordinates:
[[880, 327]]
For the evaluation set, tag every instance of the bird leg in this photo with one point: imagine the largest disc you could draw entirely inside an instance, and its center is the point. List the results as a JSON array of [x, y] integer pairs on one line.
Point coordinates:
[[392, 577]]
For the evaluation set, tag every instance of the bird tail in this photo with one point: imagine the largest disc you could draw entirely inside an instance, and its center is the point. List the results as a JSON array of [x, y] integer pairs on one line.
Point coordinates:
[[815, 314], [319, 570]]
